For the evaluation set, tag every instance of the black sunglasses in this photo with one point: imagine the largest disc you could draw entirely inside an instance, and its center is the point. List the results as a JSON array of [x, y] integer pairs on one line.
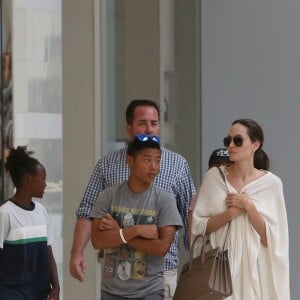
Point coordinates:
[[237, 140]]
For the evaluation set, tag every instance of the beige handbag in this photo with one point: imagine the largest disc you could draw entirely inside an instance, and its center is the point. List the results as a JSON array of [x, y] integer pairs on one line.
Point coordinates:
[[206, 277]]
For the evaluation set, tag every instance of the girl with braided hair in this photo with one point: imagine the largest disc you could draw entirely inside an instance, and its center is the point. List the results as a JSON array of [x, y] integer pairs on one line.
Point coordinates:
[[27, 265]]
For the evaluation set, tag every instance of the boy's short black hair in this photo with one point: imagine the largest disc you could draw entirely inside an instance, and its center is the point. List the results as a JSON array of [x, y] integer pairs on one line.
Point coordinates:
[[218, 157], [142, 141]]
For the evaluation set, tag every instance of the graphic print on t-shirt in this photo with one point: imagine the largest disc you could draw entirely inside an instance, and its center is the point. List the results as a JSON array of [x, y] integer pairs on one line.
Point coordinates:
[[124, 262]]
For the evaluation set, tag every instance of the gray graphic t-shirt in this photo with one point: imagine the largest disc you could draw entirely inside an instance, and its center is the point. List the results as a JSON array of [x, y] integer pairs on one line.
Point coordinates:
[[126, 271]]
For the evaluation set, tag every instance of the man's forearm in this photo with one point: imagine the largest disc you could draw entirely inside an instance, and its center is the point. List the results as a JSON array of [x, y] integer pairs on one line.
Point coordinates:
[[82, 234]]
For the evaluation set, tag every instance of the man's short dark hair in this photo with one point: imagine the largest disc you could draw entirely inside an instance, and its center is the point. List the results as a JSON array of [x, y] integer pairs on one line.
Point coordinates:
[[142, 141], [139, 102]]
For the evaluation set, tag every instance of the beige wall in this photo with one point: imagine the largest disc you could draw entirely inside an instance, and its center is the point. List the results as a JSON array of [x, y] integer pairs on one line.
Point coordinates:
[[141, 45], [137, 54], [78, 129]]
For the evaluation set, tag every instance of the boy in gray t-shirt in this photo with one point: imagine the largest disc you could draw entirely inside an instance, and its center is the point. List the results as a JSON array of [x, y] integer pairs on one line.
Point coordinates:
[[135, 222]]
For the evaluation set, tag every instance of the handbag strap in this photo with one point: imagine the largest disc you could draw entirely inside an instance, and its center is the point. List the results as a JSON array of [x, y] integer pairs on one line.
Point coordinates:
[[222, 175], [224, 179], [202, 253]]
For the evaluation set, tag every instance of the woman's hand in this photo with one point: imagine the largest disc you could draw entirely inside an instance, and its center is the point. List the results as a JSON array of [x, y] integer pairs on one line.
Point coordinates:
[[241, 201], [244, 204]]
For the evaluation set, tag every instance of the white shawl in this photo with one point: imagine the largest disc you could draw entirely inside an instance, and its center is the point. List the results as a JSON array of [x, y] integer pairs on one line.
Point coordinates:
[[258, 273]]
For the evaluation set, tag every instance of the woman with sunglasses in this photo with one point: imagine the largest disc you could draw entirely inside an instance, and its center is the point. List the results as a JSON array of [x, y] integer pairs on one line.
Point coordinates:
[[244, 211]]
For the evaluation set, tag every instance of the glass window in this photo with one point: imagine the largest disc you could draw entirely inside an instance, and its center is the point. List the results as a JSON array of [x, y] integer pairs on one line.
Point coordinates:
[[6, 187], [37, 101]]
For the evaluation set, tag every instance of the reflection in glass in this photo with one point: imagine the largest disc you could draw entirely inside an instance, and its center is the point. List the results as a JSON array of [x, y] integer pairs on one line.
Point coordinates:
[[37, 103], [6, 122]]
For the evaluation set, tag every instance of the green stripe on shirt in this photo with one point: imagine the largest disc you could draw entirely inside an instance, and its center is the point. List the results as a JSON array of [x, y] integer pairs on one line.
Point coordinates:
[[27, 241]]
